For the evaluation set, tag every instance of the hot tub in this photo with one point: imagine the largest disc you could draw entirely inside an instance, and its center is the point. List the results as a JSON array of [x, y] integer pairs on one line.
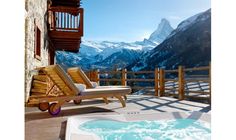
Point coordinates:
[[136, 126]]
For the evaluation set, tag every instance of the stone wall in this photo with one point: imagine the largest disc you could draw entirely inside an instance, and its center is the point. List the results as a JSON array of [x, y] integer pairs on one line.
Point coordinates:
[[35, 10]]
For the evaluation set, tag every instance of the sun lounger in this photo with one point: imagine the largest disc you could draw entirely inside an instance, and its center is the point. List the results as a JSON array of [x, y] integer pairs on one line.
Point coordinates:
[[78, 76], [59, 88]]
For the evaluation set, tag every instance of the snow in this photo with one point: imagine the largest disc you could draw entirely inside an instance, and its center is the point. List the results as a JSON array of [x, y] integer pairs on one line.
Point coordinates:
[[160, 34], [183, 25], [189, 21], [106, 48]]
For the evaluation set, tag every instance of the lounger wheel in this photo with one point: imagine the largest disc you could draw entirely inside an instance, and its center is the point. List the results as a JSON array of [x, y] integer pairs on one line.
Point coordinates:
[[43, 106], [53, 110], [77, 101]]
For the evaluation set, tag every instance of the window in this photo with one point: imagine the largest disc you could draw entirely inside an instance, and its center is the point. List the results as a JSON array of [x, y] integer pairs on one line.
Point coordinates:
[[37, 47]]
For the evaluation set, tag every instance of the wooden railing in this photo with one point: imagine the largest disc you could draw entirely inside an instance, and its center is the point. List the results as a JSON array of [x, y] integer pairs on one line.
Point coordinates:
[[65, 19], [159, 80]]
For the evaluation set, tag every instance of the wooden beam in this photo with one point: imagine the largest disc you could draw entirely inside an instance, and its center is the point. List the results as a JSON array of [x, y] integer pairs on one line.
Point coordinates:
[[141, 80], [64, 34], [124, 77], [197, 69], [113, 79], [156, 81], [171, 71], [181, 82], [97, 76], [140, 72], [162, 82]]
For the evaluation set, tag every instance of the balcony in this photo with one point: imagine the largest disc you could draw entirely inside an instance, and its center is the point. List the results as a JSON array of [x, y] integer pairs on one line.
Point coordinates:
[[65, 27]]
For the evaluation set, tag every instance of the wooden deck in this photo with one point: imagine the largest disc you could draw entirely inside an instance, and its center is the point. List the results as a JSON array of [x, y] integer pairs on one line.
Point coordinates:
[[41, 126]]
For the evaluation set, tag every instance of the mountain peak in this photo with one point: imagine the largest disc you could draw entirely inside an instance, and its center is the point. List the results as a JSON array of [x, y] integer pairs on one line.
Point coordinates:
[[164, 20], [163, 30]]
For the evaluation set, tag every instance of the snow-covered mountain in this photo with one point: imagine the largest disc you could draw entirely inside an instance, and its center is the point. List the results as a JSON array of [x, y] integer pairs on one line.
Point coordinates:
[[106, 48], [164, 29], [120, 59], [188, 45], [103, 54]]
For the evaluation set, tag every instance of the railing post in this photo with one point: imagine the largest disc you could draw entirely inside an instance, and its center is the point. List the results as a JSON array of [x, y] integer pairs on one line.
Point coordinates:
[[156, 73], [96, 76], [181, 82], [81, 21], [162, 82], [54, 20], [124, 77], [115, 76]]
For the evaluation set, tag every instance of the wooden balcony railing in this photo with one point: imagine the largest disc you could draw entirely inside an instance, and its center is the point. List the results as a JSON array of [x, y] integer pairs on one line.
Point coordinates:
[[65, 19], [160, 83]]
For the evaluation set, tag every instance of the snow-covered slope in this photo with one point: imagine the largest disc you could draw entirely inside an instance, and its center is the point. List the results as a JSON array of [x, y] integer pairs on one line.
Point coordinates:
[[189, 21], [113, 47], [90, 48], [106, 48]]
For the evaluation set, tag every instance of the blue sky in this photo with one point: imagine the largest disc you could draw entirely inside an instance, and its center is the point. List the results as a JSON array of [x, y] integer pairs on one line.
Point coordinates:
[[133, 20]]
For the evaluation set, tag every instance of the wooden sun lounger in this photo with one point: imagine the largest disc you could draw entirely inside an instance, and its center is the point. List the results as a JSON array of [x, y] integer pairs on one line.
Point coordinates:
[[53, 86], [78, 76]]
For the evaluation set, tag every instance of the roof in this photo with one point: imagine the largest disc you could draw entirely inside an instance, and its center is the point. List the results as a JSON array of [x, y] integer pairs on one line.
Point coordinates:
[[70, 3]]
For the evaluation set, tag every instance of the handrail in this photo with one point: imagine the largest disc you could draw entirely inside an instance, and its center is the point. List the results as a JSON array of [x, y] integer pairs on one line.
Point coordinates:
[[171, 71], [128, 72], [65, 19], [109, 79], [197, 69], [71, 10], [109, 72], [141, 80], [140, 72]]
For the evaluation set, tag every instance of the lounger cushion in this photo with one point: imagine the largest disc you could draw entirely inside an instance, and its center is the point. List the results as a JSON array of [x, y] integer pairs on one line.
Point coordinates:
[[112, 87], [81, 87], [112, 91], [95, 84]]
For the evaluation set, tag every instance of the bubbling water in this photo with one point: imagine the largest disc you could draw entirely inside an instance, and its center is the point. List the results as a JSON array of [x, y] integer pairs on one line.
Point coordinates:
[[179, 129]]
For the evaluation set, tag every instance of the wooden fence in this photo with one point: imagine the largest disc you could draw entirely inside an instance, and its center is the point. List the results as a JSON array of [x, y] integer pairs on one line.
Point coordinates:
[[159, 79]]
